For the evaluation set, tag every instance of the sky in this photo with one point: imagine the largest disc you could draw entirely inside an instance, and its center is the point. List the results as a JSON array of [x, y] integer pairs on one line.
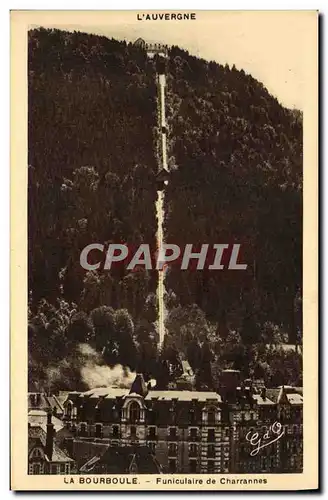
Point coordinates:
[[273, 46]]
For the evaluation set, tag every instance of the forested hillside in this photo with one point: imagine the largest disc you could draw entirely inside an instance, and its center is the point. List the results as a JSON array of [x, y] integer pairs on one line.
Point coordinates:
[[236, 160]]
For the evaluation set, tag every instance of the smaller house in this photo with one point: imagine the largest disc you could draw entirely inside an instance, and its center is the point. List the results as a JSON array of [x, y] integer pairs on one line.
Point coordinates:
[[44, 455], [39, 418]]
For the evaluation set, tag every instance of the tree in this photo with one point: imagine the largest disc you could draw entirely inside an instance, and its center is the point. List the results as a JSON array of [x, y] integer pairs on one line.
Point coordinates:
[[80, 328], [103, 322]]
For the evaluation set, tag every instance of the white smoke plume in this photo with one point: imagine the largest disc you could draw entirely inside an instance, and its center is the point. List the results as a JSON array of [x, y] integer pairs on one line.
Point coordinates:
[[94, 374]]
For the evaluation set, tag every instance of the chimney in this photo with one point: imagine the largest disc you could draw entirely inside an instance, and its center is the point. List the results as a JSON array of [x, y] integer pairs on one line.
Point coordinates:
[[50, 437], [38, 400]]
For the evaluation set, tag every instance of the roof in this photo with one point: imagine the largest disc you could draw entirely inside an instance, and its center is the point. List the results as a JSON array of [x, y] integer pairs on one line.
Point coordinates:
[[107, 392], [295, 399], [83, 451], [289, 394], [183, 395], [62, 396], [39, 418], [261, 402], [284, 347], [123, 459], [55, 404], [228, 370], [37, 437], [273, 394], [39, 400]]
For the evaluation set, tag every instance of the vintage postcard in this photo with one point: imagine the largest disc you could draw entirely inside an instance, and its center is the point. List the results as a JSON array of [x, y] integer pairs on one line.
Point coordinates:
[[164, 288]]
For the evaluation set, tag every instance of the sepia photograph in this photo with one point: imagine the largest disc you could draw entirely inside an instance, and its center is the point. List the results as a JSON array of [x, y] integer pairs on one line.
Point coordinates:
[[165, 289]]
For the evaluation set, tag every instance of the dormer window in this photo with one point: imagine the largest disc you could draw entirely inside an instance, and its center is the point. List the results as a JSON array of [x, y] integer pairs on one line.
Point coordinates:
[[134, 412], [69, 409], [192, 415], [211, 416], [37, 453]]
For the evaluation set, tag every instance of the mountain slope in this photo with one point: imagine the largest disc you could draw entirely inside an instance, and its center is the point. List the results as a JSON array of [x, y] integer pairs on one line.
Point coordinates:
[[235, 156]]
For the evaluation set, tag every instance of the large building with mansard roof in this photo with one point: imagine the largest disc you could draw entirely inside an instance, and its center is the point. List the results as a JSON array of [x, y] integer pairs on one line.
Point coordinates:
[[191, 431]]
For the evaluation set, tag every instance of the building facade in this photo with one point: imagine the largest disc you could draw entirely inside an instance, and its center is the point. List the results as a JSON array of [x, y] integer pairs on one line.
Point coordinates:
[[44, 455], [196, 432]]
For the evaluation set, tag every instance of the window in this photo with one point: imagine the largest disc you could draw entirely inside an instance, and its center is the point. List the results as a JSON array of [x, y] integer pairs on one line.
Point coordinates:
[[193, 434], [83, 429], [152, 432], [227, 432], [36, 469], [173, 414], [211, 435], [152, 416], [193, 450], [172, 465], [172, 449], [53, 469], [173, 432], [62, 468], [134, 412], [192, 466], [192, 416], [133, 431], [211, 451], [226, 464], [210, 466], [211, 417], [98, 431], [69, 409], [115, 433]]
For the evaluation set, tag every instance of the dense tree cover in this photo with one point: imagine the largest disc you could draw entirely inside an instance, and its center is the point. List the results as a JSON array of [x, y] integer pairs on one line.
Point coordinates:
[[236, 160], [239, 180]]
